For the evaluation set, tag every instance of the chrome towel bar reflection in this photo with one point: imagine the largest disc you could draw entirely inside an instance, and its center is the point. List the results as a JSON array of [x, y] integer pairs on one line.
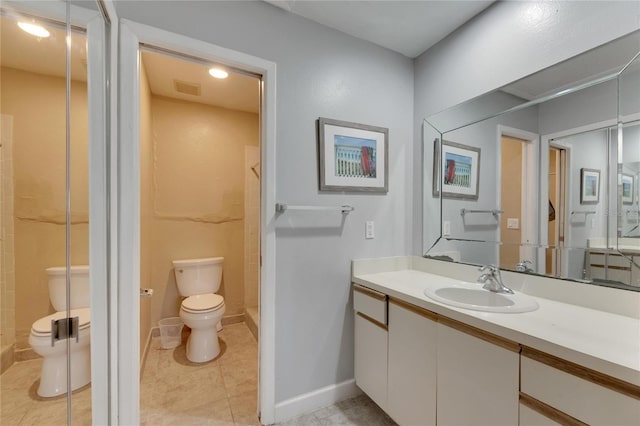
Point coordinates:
[[585, 213], [281, 208], [494, 212]]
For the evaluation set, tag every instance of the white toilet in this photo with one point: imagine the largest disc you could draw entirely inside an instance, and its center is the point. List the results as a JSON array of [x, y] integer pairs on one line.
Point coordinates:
[[53, 377], [202, 310]]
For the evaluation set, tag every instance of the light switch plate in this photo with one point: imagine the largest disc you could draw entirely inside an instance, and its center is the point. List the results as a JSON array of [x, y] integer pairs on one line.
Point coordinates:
[[446, 228], [513, 223], [369, 230]]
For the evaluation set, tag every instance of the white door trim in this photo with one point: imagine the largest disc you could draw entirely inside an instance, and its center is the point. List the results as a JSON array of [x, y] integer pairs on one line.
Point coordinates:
[[529, 198], [131, 35]]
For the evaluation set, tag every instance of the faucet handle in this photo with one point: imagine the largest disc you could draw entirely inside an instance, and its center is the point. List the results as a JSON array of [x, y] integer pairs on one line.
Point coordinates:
[[525, 261], [491, 268]]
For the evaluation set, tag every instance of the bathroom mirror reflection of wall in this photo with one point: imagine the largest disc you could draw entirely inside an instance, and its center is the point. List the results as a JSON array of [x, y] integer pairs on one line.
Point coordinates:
[[536, 135]]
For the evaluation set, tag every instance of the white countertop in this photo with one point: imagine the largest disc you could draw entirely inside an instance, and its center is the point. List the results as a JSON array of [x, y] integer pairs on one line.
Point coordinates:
[[602, 341]]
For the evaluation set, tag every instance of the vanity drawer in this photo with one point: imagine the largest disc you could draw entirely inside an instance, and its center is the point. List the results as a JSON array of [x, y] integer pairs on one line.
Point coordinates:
[[371, 303], [568, 390], [614, 260]]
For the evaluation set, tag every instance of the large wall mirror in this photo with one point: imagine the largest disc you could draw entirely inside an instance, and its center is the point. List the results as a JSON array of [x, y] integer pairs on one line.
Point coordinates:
[[543, 175]]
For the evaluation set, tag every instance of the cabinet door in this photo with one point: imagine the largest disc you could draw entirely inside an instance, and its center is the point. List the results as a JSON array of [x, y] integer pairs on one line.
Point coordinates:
[[478, 381], [411, 392], [371, 358]]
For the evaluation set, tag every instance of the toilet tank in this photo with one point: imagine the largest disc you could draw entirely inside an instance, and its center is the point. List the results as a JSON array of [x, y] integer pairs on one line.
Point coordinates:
[[198, 276], [79, 287]]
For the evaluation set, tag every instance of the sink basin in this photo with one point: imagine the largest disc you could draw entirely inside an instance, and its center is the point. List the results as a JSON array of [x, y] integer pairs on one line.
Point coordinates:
[[476, 298]]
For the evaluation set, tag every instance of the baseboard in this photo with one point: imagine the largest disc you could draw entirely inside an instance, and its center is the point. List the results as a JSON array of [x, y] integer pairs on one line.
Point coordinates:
[[145, 350], [232, 319], [251, 324], [317, 399], [7, 357], [25, 354]]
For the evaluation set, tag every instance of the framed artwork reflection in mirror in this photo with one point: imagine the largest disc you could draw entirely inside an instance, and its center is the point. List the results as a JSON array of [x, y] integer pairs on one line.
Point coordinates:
[[458, 166], [589, 186]]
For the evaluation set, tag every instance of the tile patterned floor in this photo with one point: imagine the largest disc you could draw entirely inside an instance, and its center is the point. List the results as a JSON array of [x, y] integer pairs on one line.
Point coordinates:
[[358, 411], [175, 391], [21, 405]]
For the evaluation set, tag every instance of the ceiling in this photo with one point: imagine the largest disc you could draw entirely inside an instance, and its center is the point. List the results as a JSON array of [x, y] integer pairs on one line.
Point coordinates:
[[238, 92], [42, 55], [407, 27]]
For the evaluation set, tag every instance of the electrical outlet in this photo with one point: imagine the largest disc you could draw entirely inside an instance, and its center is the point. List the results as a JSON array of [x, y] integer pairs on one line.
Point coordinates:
[[369, 230], [446, 228], [513, 223]]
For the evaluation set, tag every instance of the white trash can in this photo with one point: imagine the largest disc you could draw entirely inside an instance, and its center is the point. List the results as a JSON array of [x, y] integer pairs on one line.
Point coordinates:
[[170, 332]]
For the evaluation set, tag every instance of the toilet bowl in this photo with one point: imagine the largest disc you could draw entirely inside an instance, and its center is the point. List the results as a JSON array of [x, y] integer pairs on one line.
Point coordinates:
[[202, 309], [53, 376], [202, 313]]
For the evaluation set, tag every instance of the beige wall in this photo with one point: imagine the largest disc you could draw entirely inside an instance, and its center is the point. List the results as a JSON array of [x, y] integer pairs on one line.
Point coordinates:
[[252, 171], [37, 104], [146, 205], [511, 201], [198, 195], [7, 269]]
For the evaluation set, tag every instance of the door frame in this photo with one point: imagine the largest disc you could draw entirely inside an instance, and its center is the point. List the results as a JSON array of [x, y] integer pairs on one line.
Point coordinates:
[[530, 164], [546, 141], [127, 193]]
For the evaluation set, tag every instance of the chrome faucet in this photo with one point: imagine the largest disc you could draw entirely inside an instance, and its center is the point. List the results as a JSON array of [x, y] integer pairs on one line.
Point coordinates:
[[522, 266], [492, 280]]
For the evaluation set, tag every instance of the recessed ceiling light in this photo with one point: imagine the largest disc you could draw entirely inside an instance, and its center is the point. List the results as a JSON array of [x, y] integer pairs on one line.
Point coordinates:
[[34, 29], [218, 73]]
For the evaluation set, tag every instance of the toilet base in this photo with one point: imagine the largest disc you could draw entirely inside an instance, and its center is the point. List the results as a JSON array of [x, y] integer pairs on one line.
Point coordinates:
[[203, 345], [53, 377]]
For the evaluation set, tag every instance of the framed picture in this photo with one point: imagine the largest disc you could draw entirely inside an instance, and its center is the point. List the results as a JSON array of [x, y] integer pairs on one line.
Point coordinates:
[[627, 189], [352, 157], [589, 186], [458, 167]]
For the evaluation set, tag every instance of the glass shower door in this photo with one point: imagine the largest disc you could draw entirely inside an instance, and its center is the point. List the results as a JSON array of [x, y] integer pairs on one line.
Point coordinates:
[[47, 100]]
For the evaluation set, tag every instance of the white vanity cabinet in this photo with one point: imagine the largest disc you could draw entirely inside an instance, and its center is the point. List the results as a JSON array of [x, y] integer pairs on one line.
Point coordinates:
[[424, 368], [478, 377], [566, 393], [370, 346], [412, 364]]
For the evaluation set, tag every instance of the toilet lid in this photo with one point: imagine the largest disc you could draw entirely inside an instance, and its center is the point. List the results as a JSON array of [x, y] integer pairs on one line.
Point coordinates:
[[202, 302], [43, 325]]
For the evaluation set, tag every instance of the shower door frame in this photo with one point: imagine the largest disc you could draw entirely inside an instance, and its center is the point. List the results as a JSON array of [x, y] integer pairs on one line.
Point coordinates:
[[127, 211], [98, 140]]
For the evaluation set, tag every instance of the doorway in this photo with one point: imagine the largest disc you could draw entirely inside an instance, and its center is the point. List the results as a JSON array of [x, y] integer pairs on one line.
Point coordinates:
[[199, 200], [134, 38], [517, 195]]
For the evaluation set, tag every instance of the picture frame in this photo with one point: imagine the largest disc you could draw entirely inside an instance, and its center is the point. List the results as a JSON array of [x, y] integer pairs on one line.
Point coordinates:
[[627, 188], [460, 166], [589, 186], [352, 157]]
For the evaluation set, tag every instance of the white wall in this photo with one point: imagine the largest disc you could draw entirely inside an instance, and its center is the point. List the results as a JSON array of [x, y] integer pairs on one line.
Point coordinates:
[[508, 41], [320, 72]]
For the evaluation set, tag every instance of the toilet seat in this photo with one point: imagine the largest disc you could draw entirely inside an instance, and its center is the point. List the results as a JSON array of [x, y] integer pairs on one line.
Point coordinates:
[[203, 303], [42, 327]]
